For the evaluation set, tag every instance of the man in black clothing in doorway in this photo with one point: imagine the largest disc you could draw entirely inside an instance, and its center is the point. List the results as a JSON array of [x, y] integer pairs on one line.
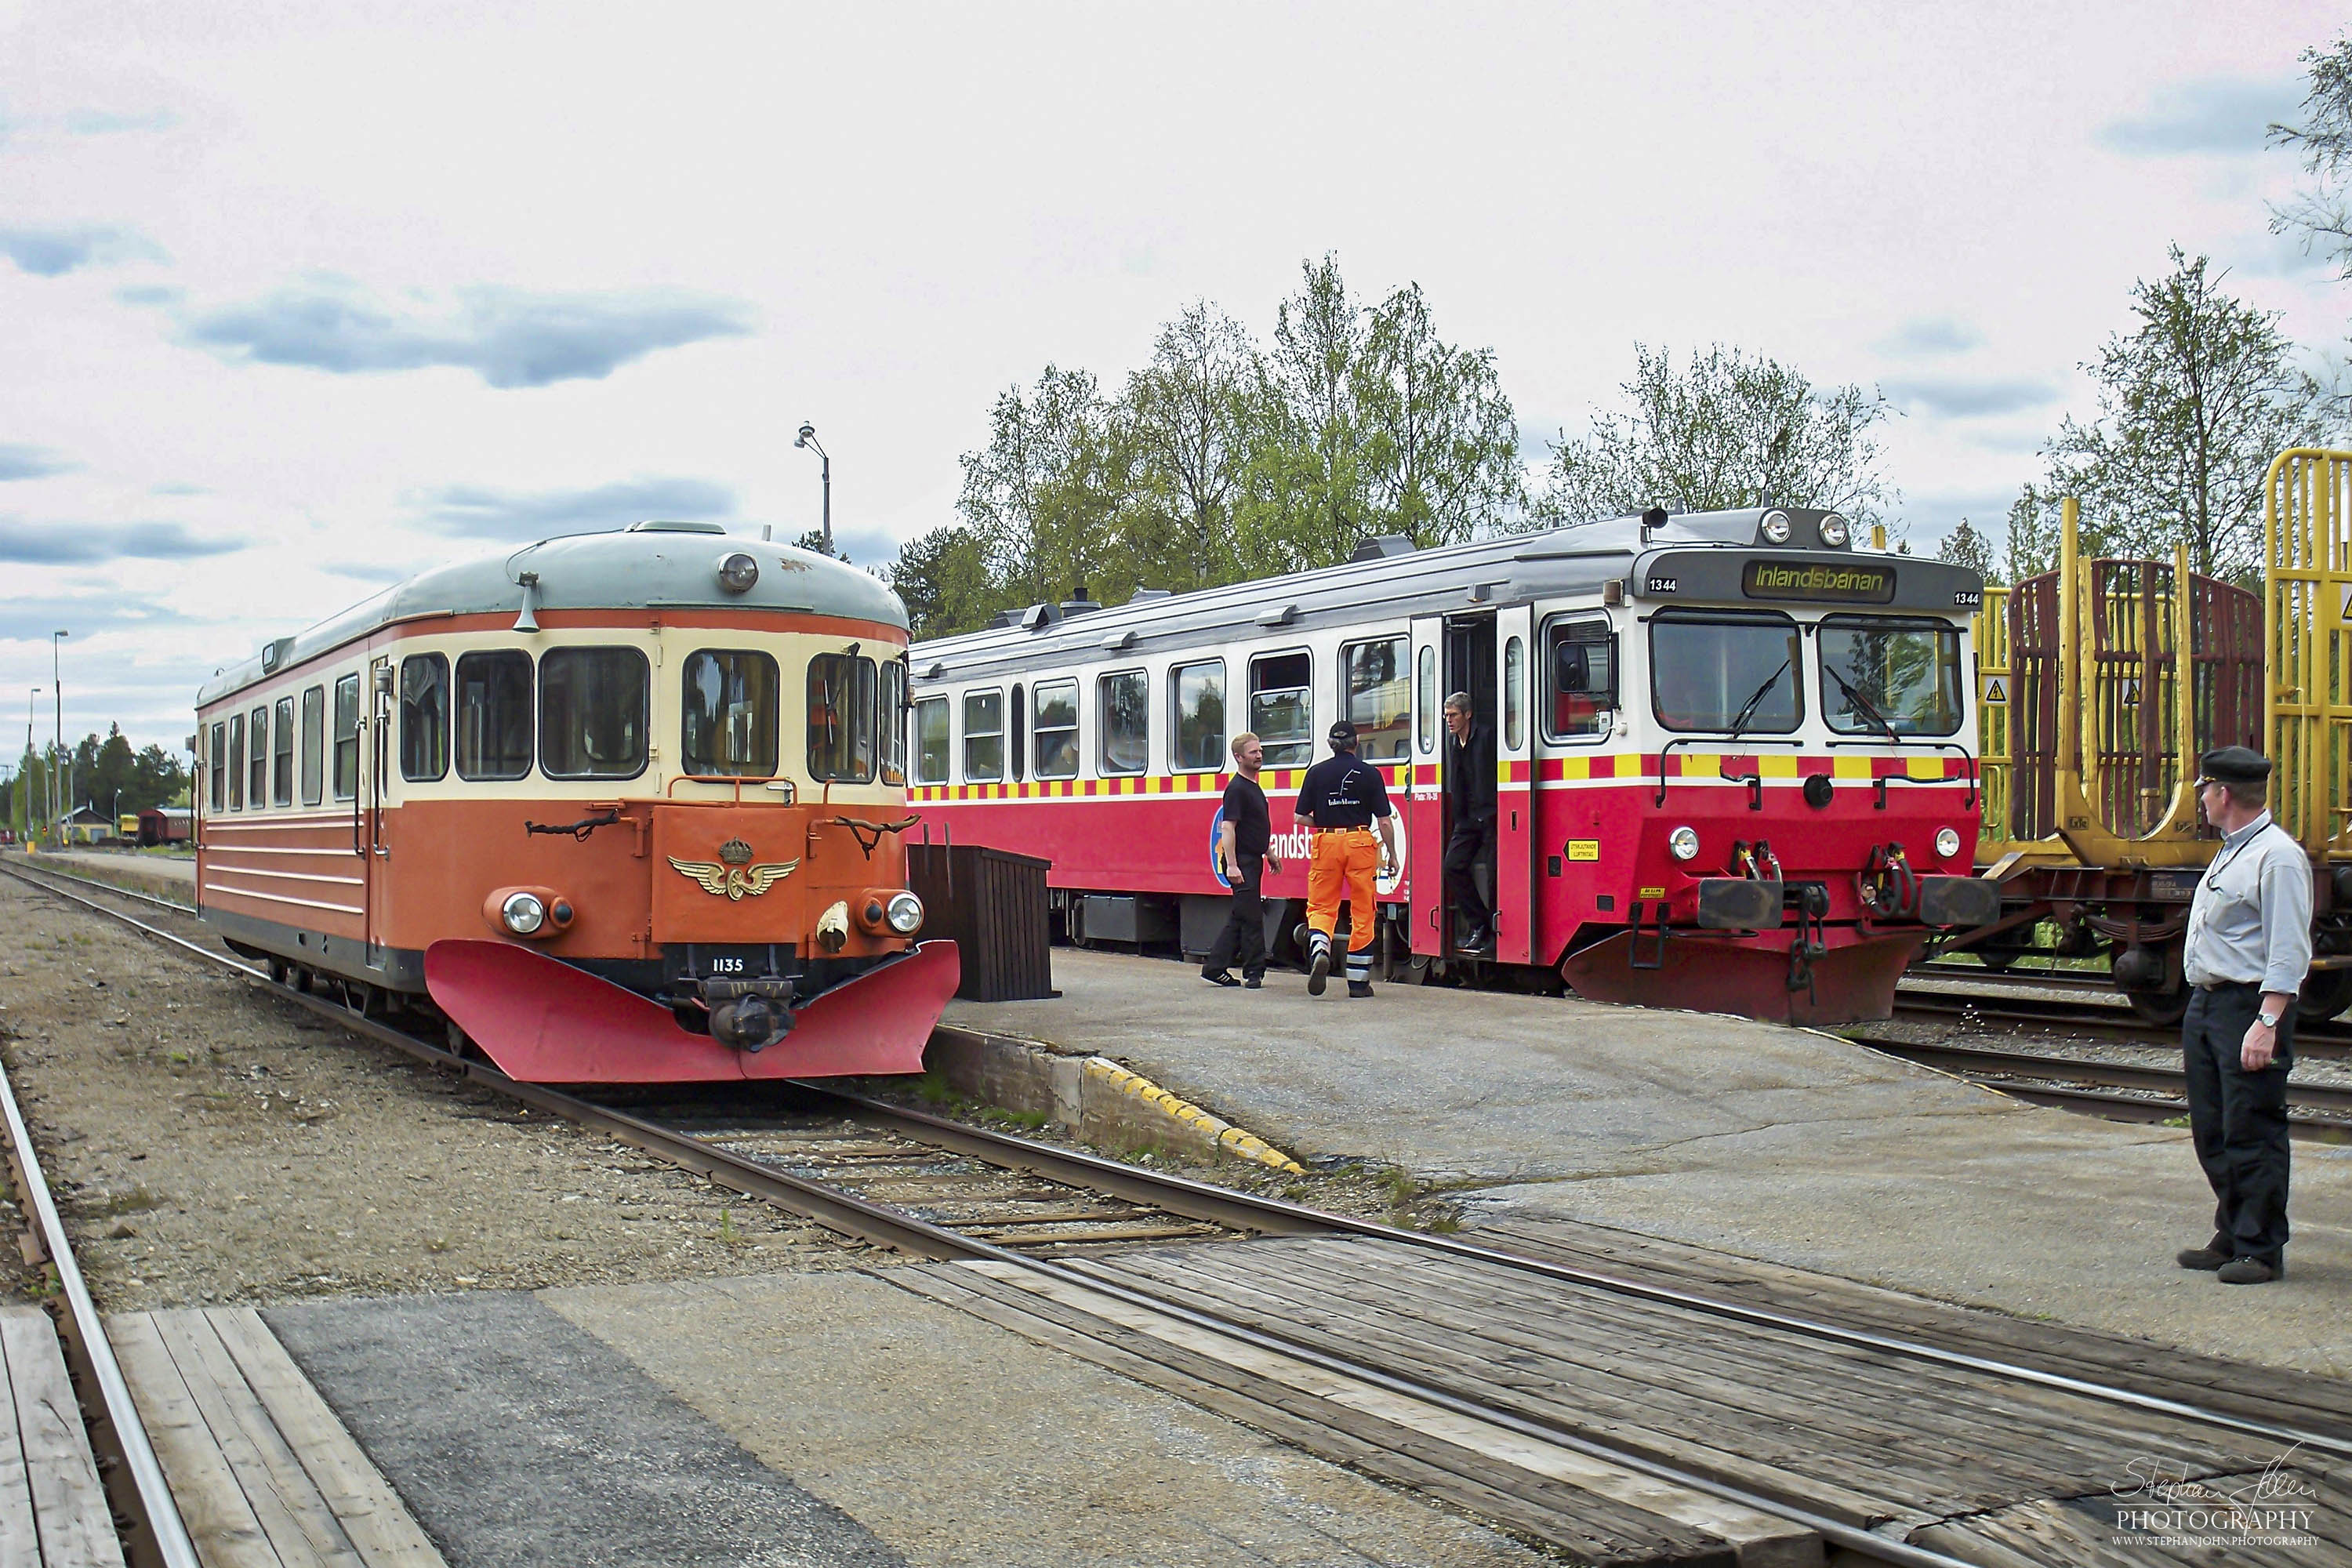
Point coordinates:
[[1470, 796], [1245, 849]]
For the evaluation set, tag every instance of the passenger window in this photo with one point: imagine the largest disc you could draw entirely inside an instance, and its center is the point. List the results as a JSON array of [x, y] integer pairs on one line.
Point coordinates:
[[728, 722], [592, 712], [346, 737], [1018, 753], [983, 736], [1379, 696], [1425, 728], [1282, 708], [931, 741], [493, 715], [1515, 697], [237, 764], [314, 746], [841, 717], [893, 722], [1125, 743], [1581, 660], [1058, 729], [257, 769], [1197, 693], [220, 767], [423, 717], [281, 754]]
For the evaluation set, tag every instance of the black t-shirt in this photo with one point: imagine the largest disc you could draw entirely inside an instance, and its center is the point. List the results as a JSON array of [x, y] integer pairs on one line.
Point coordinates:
[[1470, 776], [1342, 791], [1245, 814]]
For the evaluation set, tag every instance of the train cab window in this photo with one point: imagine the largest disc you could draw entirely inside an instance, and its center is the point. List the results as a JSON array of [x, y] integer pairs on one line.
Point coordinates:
[[423, 717], [314, 746], [236, 763], [1124, 732], [1515, 694], [1197, 694], [1581, 666], [346, 737], [1881, 673], [1058, 729], [257, 768], [592, 712], [931, 743], [841, 717], [893, 705], [1425, 677], [220, 767], [281, 754], [727, 726], [493, 715], [1282, 708], [1379, 696], [983, 736], [1738, 673]]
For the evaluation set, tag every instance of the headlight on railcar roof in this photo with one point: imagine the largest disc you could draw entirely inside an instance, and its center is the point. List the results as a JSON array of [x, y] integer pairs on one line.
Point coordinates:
[[1834, 532], [738, 573], [1683, 843], [906, 915], [1948, 842], [524, 912], [1776, 527]]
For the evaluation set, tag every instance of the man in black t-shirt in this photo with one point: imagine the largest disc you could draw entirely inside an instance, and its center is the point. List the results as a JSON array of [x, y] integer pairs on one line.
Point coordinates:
[[1245, 849], [1470, 798], [1344, 798]]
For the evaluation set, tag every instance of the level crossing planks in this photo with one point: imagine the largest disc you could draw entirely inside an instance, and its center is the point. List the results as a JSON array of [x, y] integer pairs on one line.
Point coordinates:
[[53, 1509]]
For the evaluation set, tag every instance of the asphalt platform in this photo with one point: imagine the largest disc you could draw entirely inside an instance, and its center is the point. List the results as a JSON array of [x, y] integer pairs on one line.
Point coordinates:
[[1770, 1142]]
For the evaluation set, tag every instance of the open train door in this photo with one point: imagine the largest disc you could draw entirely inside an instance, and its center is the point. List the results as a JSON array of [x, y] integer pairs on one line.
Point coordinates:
[[1515, 799], [1422, 833]]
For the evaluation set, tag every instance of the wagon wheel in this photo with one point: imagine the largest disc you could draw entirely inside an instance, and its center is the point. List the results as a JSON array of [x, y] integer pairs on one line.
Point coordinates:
[[2325, 993]]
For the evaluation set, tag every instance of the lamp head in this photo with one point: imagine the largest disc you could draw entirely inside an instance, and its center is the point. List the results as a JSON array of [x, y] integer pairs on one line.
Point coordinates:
[[807, 432]]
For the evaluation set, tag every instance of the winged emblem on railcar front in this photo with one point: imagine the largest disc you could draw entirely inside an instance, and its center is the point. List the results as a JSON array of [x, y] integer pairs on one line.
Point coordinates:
[[734, 883]]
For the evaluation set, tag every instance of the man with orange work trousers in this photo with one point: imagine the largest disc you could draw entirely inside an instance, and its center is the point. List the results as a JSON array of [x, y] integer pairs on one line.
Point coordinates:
[[1341, 799]]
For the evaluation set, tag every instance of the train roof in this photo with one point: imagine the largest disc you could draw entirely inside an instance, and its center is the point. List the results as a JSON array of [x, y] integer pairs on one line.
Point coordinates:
[[648, 565], [1390, 577]]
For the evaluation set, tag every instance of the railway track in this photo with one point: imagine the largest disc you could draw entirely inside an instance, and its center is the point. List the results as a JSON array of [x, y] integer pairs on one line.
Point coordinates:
[[1059, 1229], [2014, 1003]]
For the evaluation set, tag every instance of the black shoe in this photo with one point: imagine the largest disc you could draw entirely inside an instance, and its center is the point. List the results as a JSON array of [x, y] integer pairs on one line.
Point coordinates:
[[2208, 1257], [1359, 988], [2246, 1271], [1253, 983], [1220, 978], [1318, 971], [1481, 940]]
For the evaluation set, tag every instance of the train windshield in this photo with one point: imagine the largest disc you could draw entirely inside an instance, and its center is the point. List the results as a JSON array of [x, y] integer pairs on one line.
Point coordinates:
[[1883, 676], [1740, 674], [729, 718]]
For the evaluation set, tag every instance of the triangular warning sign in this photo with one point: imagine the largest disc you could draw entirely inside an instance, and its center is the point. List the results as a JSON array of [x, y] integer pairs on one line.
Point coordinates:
[[2131, 691], [1993, 692]]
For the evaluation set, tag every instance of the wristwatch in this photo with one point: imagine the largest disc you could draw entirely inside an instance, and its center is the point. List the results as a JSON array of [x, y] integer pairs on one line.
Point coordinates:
[[2268, 1020]]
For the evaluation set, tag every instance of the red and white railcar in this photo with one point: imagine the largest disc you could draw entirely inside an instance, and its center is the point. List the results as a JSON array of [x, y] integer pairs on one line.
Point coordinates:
[[624, 806], [1736, 753]]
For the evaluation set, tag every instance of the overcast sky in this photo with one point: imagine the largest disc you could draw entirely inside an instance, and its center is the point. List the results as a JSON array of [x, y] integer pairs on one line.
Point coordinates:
[[296, 300]]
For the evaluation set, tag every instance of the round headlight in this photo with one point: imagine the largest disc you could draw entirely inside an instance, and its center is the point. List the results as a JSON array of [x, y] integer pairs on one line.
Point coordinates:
[[1776, 527], [1948, 842], [1684, 842], [906, 913], [1834, 532], [523, 913], [738, 573]]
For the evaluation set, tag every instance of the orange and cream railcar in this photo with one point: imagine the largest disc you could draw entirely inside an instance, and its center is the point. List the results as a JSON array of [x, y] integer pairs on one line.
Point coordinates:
[[624, 806]]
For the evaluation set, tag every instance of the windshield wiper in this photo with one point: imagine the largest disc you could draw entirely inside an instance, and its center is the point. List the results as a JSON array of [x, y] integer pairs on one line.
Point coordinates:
[[1755, 700], [1869, 710]]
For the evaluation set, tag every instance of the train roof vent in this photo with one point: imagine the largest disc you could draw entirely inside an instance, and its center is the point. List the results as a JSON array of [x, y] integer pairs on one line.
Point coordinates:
[[1381, 549], [1037, 617], [1078, 606], [658, 525], [1145, 595]]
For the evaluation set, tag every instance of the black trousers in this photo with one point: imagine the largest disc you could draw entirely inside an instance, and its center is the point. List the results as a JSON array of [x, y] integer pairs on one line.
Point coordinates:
[[1243, 940], [2238, 1118], [1470, 843]]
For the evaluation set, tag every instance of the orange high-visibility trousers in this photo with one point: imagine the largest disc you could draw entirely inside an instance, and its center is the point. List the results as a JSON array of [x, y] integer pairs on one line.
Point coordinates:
[[1344, 862]]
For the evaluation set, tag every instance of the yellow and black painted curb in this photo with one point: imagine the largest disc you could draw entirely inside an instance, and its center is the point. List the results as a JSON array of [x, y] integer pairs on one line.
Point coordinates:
[[1233, 1140]]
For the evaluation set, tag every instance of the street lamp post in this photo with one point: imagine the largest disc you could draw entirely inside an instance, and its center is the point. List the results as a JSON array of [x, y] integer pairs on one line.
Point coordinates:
[[57, 683], [808, 439], [32, 758]]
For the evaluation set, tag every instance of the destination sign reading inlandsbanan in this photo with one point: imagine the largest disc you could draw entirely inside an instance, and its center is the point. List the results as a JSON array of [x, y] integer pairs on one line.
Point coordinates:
[[1785, 580]]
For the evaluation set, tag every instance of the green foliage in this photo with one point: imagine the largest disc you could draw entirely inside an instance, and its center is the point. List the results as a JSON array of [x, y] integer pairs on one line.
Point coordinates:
[[1728, 431], [2322, 213], [2033, 533], [1967, 546]]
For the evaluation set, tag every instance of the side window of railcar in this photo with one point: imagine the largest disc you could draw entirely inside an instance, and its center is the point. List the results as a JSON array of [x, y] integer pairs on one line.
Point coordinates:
[[1726, 672], [281, 754], [841, 717], [220, 767], [1426, 731], [1016, 752], [983, 736], [1515, 694], [1581, 666], [423, 717], [592, 712], [314, 746], [893, 722], [236, 763], [346, 737], [494, 715], [1058, 729], [1196, 693], [727, 723], [1125, 731], [1379, 696], [931, 741], [257, 769], [1905, 671], [1282, 707]]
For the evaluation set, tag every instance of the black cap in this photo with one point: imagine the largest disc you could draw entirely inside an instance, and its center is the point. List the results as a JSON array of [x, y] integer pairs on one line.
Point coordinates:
[[1342, 733], [2235, 765]]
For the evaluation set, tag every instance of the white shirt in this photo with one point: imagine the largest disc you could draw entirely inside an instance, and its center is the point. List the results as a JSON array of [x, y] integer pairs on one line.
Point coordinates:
[[2250, 920]]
